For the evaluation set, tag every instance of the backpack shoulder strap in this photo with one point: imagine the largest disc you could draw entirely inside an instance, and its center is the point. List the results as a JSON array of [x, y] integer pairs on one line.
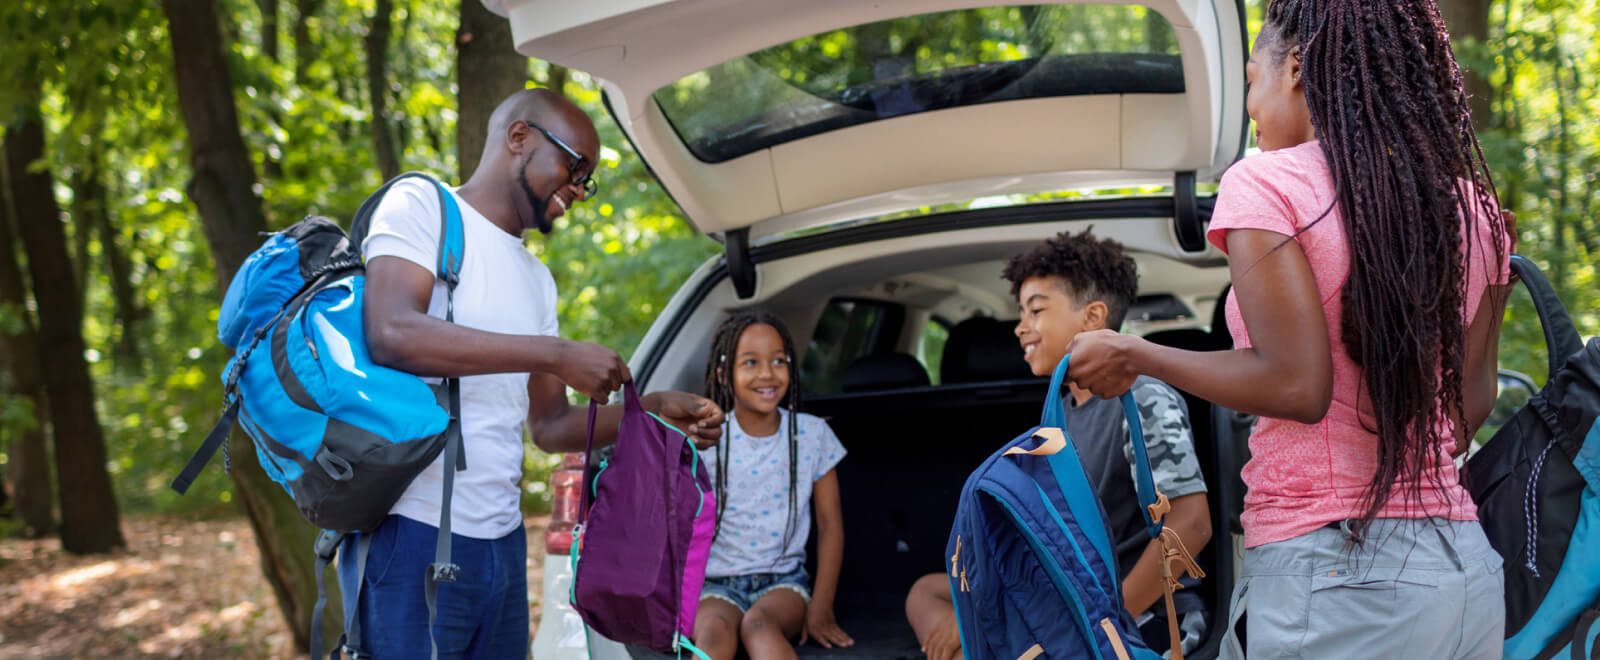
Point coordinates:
[[1151, 502], [1153, 505], [452, 249], [1560, 335], [452, 243]]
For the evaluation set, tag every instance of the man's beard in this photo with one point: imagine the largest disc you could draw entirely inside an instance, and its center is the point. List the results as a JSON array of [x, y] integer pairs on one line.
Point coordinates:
[[541, 207]]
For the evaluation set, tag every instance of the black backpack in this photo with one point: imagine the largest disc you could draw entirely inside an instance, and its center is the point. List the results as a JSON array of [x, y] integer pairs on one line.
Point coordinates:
[[1537, 487]]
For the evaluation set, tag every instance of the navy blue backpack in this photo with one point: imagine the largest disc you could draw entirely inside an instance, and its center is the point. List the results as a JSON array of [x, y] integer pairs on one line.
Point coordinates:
[[344, 436], [1032, 570]]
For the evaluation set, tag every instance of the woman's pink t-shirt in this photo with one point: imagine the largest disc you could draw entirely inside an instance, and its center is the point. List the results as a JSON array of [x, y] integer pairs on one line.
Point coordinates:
[[1303, 476]]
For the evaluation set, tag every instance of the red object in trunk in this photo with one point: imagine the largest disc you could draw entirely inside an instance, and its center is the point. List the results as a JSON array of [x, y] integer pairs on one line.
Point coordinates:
[[565, 483]]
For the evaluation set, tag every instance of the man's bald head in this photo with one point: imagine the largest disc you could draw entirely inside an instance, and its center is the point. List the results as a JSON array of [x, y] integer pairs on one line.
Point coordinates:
[[548, 109], [537, 161]]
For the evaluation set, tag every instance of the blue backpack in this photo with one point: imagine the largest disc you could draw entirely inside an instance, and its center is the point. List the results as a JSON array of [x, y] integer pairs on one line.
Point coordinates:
[[341, 434], [1537, 487], [1032, 571]]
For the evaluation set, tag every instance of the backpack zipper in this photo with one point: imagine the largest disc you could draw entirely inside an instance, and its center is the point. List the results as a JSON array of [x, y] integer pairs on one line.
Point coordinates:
[[1115, 638]]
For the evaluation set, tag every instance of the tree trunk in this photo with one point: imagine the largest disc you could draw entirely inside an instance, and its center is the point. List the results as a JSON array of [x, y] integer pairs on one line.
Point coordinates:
[[556, 78], [1561, 263], [488, 69], [378, 89], [271, 11], [304, 49], [1507, 120], [231, 216], [269, 27], [405, 73], [28, 468], [432, 132], [88, 205], [230, 211], [1470, 18], [125, 298], [89, 521], [82, 201]]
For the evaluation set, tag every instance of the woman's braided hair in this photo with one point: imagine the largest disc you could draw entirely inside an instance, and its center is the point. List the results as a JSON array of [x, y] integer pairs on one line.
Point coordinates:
[[719, 388], [1386, 99]]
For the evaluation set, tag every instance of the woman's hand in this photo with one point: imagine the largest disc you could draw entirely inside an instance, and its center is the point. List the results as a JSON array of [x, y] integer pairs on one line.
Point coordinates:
[[822, 628], [1102, 362]]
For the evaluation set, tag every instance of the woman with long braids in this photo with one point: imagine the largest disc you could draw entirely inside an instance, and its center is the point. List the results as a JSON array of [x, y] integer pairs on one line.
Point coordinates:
[[1369, 267], [772, 464]]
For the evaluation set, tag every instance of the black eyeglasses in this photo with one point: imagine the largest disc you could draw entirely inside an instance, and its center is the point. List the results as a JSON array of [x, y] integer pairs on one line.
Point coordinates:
[[584, 181]]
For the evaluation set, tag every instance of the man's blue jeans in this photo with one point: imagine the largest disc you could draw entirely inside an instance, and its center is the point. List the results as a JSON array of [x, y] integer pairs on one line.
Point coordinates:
[[483, 614]]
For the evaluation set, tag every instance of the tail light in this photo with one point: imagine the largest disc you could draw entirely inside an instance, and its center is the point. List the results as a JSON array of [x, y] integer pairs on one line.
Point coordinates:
[[566, 489]]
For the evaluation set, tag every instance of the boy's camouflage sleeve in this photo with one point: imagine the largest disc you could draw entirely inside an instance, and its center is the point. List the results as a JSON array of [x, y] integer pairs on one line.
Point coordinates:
[[1167, 439]]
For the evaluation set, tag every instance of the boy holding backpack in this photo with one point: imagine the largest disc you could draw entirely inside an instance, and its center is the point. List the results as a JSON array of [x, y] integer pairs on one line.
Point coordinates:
[[1067, 285], [502, 342]]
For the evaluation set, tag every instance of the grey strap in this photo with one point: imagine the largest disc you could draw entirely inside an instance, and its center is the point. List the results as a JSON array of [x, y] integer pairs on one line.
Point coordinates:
[[352, 627], [326, 546], [442, 569]]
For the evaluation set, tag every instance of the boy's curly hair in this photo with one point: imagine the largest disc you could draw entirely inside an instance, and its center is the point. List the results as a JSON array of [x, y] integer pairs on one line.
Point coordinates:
[[1094, 269]]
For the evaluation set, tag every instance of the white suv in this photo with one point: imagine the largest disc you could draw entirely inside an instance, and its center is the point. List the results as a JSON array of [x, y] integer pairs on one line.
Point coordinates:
[[868, 167]]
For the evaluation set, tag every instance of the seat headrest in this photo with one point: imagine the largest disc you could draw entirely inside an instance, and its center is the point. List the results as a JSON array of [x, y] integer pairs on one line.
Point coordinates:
[[1219, 319], [1189, 339], [883, 371], [1193, 339], [982, 349]]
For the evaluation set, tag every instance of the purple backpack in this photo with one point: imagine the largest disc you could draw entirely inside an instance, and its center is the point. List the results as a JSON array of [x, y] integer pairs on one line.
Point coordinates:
[[639, 552]]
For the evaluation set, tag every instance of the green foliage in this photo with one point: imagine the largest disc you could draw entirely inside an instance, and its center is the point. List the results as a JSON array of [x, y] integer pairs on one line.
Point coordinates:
[[16, 418], [110, 98], [1543, 146]]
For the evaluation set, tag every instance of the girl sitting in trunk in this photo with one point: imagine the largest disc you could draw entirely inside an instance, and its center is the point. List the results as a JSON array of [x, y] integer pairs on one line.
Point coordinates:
[[771, 463]]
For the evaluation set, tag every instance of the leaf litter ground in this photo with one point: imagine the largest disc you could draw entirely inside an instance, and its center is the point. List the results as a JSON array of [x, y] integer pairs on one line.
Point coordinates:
[[181, 589]]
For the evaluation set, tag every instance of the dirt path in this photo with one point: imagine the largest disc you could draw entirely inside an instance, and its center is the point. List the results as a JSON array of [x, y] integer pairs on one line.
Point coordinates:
[[182, 589]]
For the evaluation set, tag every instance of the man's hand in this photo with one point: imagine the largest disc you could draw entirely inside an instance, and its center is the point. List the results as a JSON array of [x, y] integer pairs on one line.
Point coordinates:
[[823, 629], [944, 642], [592, 369], [697, 416]]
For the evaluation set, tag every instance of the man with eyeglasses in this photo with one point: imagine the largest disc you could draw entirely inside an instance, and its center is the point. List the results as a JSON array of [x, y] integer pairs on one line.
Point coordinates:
[[514, 368]]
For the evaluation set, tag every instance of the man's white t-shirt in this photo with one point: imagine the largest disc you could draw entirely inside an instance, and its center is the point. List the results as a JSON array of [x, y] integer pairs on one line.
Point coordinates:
[[503, 289]]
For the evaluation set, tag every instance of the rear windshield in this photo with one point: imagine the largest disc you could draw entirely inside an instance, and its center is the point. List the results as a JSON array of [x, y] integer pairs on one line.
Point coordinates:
[[919, 63]]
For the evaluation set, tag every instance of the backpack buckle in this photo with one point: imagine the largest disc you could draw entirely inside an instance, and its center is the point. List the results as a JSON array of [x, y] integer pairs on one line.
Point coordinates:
[[328, 543], [446, 572], [355, 654]]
